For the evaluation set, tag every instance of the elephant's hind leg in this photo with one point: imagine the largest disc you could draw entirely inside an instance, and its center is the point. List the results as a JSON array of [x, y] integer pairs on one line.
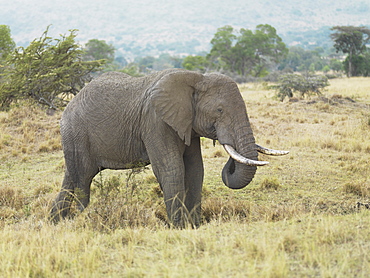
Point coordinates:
[[82, 191], [62, 203], [76, 185]]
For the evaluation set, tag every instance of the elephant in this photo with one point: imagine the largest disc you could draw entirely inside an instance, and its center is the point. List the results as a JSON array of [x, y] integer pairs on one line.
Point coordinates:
[[120, 122]]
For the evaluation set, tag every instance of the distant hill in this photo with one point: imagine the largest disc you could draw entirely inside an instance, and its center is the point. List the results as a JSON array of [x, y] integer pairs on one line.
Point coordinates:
[[145, 27]]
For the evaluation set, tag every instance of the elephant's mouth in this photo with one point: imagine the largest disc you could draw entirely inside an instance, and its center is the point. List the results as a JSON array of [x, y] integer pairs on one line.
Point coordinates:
[[250, 162], [213, 133]]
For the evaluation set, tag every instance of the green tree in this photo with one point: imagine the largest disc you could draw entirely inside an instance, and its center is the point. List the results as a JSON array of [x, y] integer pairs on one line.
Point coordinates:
[[98, 49], [336, 65], [132, 69], [46, 71], [299, 59], [366, 65], [7, 44], [222, 53], [166, 61], [195, 63], [351, 40], [360, 64], [245, 53], [270, 48], [145, 63], [326, 69], [249, 53]]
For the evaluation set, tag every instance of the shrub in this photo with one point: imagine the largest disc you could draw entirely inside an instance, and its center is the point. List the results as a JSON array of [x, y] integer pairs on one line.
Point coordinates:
[[46, 71], [302, 84]]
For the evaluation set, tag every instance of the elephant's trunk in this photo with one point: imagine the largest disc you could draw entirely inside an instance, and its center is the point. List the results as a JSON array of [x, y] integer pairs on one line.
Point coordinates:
[[239, 170], [236, 175], [241, 166]]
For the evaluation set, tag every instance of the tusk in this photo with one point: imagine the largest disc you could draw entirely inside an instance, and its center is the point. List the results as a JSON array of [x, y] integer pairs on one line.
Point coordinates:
[[238, 157], [270, 151]]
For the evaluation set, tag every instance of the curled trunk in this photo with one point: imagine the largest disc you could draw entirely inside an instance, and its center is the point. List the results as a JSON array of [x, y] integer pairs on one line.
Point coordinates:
[[241, 167], [239, 170]]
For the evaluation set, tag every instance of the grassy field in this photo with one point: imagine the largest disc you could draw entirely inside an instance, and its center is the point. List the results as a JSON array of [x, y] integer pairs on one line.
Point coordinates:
[[304, 215]]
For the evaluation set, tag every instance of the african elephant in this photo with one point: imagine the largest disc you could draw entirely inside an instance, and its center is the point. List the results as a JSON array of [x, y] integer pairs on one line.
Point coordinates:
[[119, 122]]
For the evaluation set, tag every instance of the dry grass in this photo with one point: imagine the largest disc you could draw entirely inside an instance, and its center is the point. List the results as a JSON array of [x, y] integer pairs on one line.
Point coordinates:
[[27, 130], [306, 214]]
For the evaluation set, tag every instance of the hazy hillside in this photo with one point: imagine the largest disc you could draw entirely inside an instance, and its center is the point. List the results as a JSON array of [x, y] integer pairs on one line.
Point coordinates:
[[147, 27]]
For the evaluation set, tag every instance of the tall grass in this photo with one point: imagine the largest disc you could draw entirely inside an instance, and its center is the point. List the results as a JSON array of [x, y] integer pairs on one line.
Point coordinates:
[[298, 218], [314, 246]]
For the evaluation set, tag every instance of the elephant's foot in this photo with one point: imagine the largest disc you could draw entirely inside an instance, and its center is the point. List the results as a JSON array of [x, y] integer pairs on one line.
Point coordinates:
[[61, 207], [184, 219], [57, 214]]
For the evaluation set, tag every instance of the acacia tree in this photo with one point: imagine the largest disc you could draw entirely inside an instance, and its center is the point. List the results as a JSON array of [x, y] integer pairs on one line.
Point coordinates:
[[46, 70], [351, 40], [250, 53]]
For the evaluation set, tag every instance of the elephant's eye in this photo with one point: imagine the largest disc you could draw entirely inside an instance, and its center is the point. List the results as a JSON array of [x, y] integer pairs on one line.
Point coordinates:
[[220, 110]]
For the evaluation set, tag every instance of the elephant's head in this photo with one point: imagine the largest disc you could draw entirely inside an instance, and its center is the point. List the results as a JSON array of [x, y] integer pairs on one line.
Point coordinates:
[[211, 106]]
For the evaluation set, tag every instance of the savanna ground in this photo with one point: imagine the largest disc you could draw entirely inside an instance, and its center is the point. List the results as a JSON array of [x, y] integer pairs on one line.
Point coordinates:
[[304, 215]]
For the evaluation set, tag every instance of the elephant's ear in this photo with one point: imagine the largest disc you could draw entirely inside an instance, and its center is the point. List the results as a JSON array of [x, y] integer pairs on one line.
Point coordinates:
[[172, 98]]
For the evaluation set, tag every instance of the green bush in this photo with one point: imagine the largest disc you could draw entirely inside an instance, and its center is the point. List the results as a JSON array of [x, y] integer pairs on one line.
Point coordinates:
[[304, 85], [46, 71]]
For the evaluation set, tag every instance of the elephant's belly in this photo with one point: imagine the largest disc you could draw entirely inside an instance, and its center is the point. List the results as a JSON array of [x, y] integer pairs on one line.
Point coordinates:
[[117, 165], [123, 161]]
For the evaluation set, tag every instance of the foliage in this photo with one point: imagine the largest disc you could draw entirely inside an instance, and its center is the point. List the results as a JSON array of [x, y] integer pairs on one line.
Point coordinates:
[[351, 40], [359, 65], [99, 50], [299, 59], [144, 65], [250, 53], [132, 69], [336, 65], [302, 84], [165, 61], [195, 63], [6, 42], [48, 71], [222, 47]]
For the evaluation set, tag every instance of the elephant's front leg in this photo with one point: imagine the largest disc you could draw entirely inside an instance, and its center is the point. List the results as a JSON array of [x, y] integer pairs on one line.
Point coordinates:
[[194, 173], [171, 180], [166, 157], [174, 196]]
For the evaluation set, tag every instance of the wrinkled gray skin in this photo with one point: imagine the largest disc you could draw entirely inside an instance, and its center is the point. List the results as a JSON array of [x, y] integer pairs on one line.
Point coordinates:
[[118, 122]]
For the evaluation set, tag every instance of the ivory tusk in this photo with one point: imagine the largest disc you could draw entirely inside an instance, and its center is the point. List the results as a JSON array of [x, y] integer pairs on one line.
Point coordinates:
[[270, 151], [238, 157]]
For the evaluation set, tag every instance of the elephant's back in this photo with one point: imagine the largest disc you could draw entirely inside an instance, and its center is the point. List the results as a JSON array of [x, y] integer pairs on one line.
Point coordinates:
[[103, 93], [113, 92], [105, 100], [108, 86]]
